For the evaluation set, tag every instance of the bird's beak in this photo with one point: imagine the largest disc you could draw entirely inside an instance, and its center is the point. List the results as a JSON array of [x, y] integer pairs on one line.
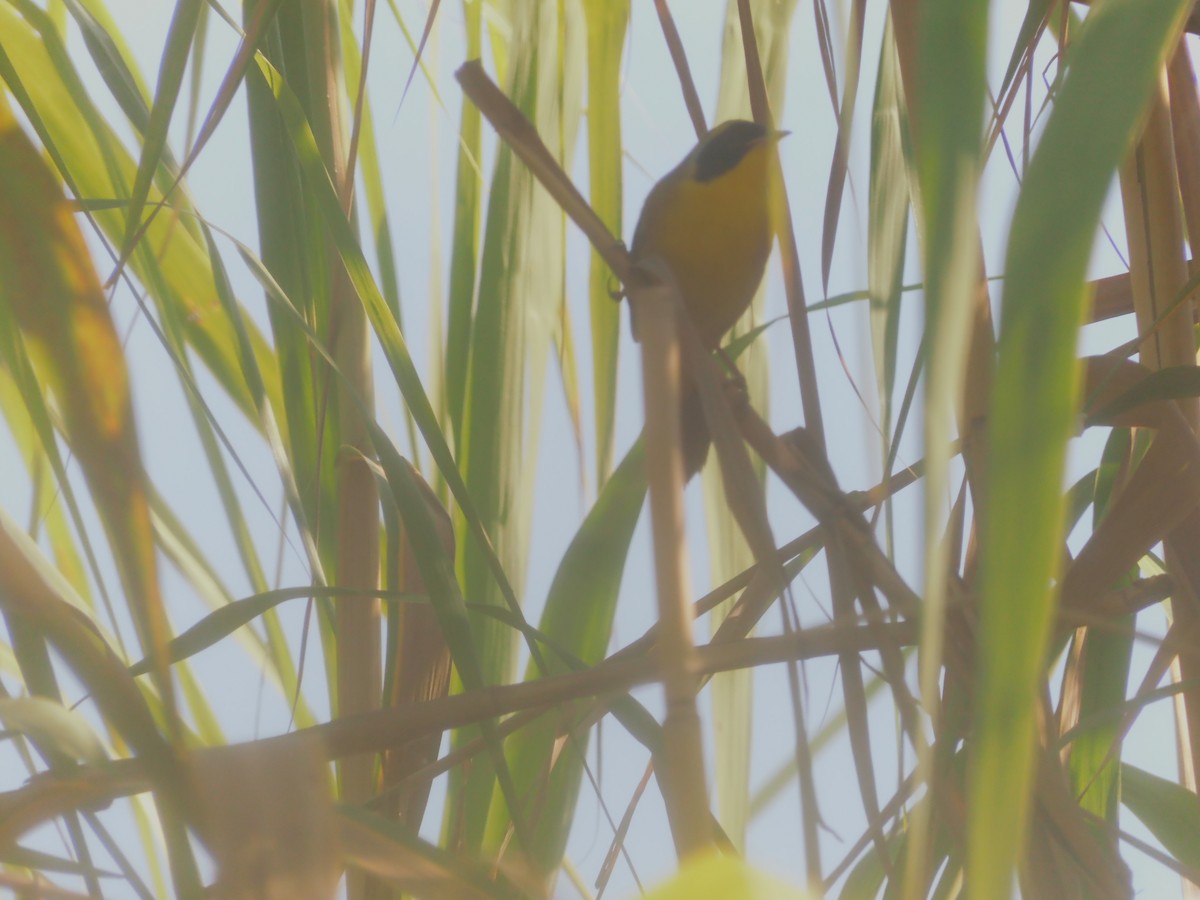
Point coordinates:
[[779, 135]]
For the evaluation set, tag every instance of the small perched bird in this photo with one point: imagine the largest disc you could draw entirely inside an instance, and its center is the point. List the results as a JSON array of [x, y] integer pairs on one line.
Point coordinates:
[[709, 220]]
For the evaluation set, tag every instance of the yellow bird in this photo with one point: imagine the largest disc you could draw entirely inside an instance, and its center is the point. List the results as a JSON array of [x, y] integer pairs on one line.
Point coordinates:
[[709, 219]]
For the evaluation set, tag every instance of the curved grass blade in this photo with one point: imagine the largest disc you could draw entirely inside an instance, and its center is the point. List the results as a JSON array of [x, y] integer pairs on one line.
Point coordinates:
[[838, 168], [263, 17], [39, 70], [170, 78], [521, 279], [1170, 383], [51, 290], [431, 556], [1168, 809], [33, 591], [394, 346], [429, 20], [578, 616], [112, 59], [1112, 68], [53, 726], [607, 22], [1102, 672], [727, 549], [391, 852], [951, 87], [887, 234], [472, 9], [437, 572], [468, 206], [223, 622]]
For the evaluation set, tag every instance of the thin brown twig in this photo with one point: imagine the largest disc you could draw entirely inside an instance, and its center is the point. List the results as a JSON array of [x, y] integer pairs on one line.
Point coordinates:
[[47, 796], [760, 105], [684, 789], [517, 131], [92, 787], [809, 542], [691, 99], [618, 842]]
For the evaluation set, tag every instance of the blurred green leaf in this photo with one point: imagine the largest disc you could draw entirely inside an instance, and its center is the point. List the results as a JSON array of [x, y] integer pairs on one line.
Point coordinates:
[[1170, 811], [1112, 67], [170, 77], [607, 22], [578, 615], [1171, 383], [520, 296], [53, 725]]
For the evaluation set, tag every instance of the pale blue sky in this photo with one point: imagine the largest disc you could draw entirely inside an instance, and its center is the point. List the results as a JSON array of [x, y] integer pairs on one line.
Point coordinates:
[[418, 177]]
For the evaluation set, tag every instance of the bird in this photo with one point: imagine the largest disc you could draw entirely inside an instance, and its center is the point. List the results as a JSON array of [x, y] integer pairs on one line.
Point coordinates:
[[709, 220]]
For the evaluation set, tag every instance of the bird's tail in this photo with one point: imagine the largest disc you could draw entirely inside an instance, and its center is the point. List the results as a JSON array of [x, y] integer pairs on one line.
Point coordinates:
[[694, 435]]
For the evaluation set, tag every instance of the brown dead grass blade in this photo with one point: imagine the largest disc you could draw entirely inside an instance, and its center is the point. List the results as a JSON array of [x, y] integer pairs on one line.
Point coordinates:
[[1076, 859], [1185, 133], [1161, 492], [49, 285], [419, 673], [841, 146], [419, 869]]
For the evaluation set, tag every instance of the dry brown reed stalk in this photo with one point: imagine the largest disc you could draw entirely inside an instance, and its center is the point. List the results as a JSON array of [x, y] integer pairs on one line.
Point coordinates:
[[848, 543], [971, 409], [420, 671], [1185, 133], [760, 105], [1161, 492], [359, 624], [516, 131], [1066, 857], [684, 781], [804, 478], [1154, 225], [90, 787], [47, 796], [815, 486], [745, 502], [760, 592], [789, 253], [741, 487], [681, 766], [1112, 296]]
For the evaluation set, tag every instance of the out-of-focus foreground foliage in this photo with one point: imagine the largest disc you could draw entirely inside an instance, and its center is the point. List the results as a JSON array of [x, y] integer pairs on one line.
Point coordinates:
[[1009, 667]]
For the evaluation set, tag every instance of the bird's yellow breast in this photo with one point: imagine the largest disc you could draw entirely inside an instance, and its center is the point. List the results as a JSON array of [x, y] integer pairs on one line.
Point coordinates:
[[715, 236]]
